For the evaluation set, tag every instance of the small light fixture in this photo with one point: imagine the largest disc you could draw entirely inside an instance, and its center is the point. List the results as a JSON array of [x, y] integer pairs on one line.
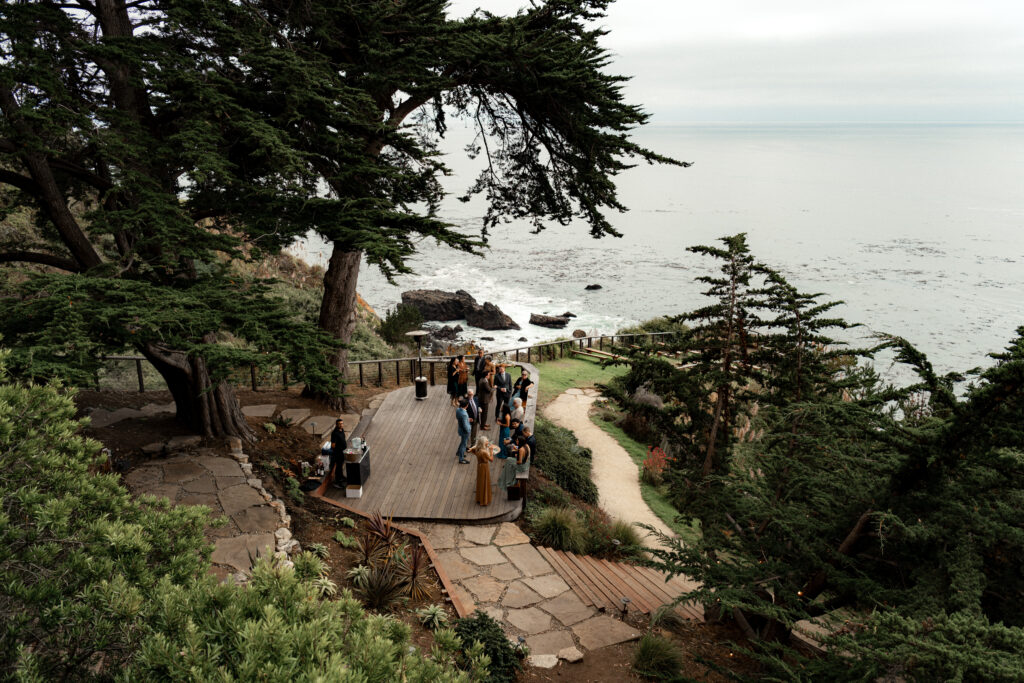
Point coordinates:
[[625, 605], [616, 542]]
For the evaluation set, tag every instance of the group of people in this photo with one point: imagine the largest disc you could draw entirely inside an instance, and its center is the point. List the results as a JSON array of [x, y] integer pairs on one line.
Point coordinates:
[[516, 444]]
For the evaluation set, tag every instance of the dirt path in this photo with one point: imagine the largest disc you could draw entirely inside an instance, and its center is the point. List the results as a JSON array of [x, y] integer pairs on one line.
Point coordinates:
[[615, 474]]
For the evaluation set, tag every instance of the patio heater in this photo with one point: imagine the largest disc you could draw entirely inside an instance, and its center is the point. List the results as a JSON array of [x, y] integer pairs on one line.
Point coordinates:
[[420, 380]]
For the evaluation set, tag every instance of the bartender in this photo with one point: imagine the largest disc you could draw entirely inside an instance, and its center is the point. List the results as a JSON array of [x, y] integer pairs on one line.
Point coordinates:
[[338, 445]]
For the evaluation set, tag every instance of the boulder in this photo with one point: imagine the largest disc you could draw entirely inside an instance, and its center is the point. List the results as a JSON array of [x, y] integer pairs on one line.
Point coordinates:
[[579, 334], [593, 287], [436, 304], [490, 317], [548, 320], [446, 332], [568, 314], [486, 338], [523, 339]]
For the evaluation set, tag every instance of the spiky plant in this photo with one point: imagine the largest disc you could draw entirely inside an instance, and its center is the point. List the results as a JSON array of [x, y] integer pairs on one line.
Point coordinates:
[[382, 527], [666, 617], [325, 588], [371, 549], [432, 617], [412, 567], [358, 575], [382, 589], [320, 550], [308, 566]]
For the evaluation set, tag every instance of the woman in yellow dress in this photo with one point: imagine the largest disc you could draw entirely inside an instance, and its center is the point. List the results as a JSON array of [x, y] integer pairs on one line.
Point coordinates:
[[484, 451]]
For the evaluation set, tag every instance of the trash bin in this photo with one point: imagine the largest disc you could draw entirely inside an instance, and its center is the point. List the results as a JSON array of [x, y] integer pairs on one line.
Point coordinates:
[[421, 388]]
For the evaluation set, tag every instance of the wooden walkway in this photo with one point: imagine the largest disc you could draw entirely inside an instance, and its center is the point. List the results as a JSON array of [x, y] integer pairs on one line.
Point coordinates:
[[414, 473], [603, 584]]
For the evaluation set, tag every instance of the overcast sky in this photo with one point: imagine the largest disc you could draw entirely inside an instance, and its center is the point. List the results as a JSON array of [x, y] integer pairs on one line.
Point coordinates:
[[816, 60]]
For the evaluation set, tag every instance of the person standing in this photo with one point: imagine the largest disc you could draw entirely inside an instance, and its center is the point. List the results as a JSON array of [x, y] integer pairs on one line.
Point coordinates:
[[531, 441], [453, 379], [474, 415], [484, 391], [462, 418], [478, 365], [502, 389], [463, 377], [484, 452], [504, 423], [522, 386], [339, 443]]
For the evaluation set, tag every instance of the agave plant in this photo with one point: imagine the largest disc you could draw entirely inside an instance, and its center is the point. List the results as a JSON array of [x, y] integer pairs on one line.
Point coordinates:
[[358, 575], [382, 589], [348, 522], [319, 549], [325, 588], [412, 567], [432, 617]]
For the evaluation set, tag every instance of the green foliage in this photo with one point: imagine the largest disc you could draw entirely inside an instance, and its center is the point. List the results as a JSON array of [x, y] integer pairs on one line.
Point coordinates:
[[320, 550], [365, 344], [382, 588], [348, 522], [663, 323], [625, 533], [346, 541], [308, 566], [98, 585], [657, 658], [399, 320], [270, 427], [564, 461], [358, 575], [81, 558], [433, 617], [559, 528], [481, 628], [292, 490]]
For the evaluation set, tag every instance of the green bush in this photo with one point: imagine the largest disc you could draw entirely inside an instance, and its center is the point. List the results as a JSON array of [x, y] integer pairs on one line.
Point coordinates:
[[564, 461], [625, 533], [97, 585], [660, 324], [480, 628], [365, 344], [560, 528], [399, 320], [657, 658]]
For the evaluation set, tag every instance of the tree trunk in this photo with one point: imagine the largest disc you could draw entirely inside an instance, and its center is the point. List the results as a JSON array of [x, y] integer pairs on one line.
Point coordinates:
[[210, 410], [338, 311]]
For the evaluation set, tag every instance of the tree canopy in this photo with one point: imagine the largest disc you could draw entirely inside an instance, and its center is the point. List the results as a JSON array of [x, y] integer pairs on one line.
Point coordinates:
[[891, 517]]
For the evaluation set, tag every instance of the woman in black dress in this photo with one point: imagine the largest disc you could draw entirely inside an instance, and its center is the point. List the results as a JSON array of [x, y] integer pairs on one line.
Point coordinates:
[[453, 379]]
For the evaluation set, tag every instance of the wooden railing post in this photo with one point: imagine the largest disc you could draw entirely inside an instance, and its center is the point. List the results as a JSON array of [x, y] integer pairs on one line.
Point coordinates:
[[138, 370], [252, 376], [361, 375], [380, 373], [432, 364], [529, 349], [398, 373]]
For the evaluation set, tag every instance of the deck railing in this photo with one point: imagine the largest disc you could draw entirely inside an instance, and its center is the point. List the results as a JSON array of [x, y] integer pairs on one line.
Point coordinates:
[[396, 371]]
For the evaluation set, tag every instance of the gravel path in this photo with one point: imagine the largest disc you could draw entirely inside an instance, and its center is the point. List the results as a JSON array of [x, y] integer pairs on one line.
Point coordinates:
[[616, 475]]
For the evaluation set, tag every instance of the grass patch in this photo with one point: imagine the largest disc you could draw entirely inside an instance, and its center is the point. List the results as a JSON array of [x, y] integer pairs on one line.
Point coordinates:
[[565, 373], [655, 497]]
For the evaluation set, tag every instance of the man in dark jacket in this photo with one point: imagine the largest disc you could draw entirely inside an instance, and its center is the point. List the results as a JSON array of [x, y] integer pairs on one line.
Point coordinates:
[[502, 388], [478, 365]]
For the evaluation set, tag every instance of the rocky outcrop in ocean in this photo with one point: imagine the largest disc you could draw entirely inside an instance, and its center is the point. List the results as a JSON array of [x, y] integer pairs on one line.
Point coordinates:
[[548, 320], [436, 304]]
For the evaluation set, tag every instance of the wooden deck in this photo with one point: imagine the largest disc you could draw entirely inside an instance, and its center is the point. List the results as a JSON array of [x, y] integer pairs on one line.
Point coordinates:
[[414, 473]]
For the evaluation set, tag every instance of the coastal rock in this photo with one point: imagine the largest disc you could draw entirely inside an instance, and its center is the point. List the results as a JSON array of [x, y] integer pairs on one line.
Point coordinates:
[[568, 314], [579, 334], [548, 320], [490, 317], [446, 332], [522, 339], [486, 338], [595, 286], [436, 304]]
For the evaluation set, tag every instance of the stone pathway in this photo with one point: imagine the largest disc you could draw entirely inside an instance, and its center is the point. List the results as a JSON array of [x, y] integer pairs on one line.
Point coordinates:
[[256, 524], [497, 570], [616, 475]]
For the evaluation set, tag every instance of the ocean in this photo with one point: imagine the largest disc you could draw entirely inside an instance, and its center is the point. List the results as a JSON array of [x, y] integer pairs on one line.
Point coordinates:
[[917, 228]]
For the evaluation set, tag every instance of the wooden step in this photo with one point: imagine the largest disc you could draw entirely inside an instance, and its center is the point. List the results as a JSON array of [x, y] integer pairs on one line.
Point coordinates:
[[607, 592], [614, 587], [570, 577], [641, 599], [582, 577]]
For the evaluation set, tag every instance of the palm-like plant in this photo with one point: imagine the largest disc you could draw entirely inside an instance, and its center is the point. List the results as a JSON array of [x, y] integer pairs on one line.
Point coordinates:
[[412, 568], [382, 589]]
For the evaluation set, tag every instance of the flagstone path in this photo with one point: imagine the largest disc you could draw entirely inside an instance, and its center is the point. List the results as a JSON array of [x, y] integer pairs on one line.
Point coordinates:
[[255, 525], [616, 475], [496, 569]]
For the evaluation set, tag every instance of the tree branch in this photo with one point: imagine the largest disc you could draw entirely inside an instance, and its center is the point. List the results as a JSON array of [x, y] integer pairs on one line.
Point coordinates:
[[38, 257]]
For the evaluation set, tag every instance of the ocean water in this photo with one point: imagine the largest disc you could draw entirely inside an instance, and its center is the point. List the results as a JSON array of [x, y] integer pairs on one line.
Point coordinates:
[[917, 228]]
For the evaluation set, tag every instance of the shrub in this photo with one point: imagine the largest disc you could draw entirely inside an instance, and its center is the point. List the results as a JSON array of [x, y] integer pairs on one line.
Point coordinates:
[[320, 550], [292, 490], [348, 522], [625, 533], [560, 529], [325, 588], [667, 617], [657, 658], [653, 470], [358, 575], [432, 617], [308, 566], [564, 461], [480, 628], [382, 589], [412, 568], [399, 320], [345, 541]]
